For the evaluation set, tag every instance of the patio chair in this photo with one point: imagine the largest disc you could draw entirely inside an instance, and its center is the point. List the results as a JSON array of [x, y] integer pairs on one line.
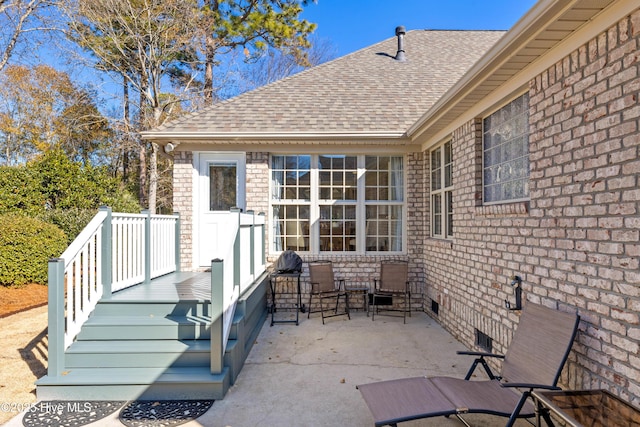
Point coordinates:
[[325, 286], [393, 282], [534, 360]]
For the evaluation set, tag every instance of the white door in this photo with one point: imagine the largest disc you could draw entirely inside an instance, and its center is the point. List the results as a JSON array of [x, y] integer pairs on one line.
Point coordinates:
[[221, 179]]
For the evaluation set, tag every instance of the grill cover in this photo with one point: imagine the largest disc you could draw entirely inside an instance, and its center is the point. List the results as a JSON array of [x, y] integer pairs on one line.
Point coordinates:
[[289, 262]]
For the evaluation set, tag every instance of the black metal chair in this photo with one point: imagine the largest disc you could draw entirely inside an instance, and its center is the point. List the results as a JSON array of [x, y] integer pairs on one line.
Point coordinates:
[[325, 286], [393, 282]]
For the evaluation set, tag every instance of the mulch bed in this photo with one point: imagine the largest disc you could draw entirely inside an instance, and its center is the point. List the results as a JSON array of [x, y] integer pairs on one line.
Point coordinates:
[[14, 299]]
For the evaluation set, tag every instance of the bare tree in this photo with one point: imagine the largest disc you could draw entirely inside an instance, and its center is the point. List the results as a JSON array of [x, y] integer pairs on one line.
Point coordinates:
[[273, 64], [23, 22], [145, 42]]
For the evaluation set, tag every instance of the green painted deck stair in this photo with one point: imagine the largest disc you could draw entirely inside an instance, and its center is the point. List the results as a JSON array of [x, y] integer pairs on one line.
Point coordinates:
[[153, 343]]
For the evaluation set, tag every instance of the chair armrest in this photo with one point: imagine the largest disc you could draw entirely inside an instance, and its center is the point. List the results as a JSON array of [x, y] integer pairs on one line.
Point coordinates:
[[480, 353], [480, 359], [530, 386]]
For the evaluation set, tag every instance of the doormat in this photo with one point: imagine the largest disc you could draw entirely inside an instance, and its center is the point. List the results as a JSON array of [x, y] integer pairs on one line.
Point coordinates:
[[68, 413], [162, 413]]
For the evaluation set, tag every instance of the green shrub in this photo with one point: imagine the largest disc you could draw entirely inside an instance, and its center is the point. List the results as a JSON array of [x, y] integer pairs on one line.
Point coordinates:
[[20, 191], [123, 201], [26, 245], [65, 184], [71, 221]]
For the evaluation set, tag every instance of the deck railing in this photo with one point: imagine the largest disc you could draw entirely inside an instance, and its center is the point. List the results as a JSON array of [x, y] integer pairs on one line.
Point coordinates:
[[116, 251], [238, 267], [144, 246], [113, 251]]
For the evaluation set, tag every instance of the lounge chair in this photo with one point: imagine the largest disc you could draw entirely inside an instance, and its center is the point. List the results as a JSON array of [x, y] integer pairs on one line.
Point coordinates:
[[534, 360]]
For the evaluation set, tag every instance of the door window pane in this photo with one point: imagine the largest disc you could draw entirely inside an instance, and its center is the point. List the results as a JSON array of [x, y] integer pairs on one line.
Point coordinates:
[[222, 187]]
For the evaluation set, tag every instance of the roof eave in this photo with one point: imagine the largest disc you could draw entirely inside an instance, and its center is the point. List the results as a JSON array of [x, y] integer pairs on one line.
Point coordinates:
[[483, 76], [220, 137]]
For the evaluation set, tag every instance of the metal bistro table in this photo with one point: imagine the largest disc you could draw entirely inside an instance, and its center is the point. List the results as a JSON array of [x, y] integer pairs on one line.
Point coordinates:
[[582, 408], [363, 290], [283, 281]]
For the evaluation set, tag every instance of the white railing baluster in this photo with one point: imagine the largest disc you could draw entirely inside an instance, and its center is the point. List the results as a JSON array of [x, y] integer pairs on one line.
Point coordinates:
[[70, 305], [76, 278], [92, 269], [121, 239], [85, 280]]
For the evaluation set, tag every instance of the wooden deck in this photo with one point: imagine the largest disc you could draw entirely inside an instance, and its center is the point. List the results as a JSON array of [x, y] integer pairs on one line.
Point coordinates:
[[173, 287], [153, 341]]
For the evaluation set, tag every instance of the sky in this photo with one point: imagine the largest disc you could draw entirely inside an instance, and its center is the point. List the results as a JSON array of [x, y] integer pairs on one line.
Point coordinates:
[[350, 25]]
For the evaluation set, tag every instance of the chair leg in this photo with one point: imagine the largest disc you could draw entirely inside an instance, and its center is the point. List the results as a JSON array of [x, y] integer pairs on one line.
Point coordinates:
[[346, 304], [404, 312], [516, 411], [373, 310], [462, 420], [309, 310]]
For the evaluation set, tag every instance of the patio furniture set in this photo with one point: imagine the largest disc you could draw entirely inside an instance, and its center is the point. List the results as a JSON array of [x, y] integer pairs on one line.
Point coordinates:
[[325, 286]]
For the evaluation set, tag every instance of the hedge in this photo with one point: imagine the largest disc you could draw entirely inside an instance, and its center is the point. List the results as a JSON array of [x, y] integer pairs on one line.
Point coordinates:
[[26, 245], [70, 221]]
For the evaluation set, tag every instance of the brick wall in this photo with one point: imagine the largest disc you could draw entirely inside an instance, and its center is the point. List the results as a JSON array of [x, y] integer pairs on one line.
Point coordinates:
[[576, 243], [183, 203], [355, 270], [258, 182], [358, 268], [256, 195]]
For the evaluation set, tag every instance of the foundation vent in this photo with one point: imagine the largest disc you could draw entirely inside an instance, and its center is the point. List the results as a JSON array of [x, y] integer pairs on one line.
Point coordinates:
[[484, 341]]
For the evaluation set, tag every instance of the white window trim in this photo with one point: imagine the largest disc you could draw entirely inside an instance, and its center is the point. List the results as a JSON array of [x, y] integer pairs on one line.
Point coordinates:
[[442, 191], [314, 211], [506, 201]]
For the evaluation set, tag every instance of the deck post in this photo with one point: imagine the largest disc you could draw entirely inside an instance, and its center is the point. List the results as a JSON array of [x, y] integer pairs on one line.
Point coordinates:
[[56, 317], [177, 239], [217, 322], [252, 244], [147, 245], [106, 254], [263, 227], [237, 250]]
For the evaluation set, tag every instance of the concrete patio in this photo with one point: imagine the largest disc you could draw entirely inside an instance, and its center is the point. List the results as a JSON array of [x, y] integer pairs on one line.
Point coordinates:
[[306, 375]]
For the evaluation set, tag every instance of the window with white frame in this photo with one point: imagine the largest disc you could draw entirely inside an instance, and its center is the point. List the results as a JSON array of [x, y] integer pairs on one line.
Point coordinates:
[[291, 196], [337, 203], [442, 191], [506, 153], [384, 203]]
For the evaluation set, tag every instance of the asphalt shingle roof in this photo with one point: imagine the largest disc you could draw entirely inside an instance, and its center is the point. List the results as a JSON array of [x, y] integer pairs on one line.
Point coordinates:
[[365, 92]]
